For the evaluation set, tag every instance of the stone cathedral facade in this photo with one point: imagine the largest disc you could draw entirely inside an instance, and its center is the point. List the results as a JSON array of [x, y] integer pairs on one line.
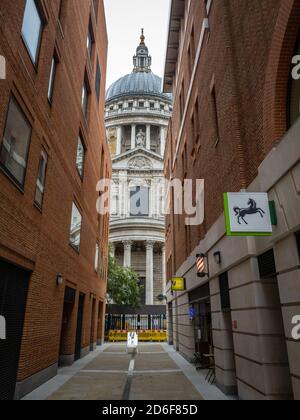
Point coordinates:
[[137, 116]]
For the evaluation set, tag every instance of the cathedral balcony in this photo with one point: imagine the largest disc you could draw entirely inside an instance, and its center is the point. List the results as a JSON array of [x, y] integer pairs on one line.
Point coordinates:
[[137, 111]]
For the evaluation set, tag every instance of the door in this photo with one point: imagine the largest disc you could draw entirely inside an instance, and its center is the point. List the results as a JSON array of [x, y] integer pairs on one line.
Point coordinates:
[[13, 296], [79, 327]]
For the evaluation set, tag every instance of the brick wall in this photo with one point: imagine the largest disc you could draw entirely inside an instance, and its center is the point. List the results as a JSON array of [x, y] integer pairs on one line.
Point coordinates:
[[244, 63], [37, 240]]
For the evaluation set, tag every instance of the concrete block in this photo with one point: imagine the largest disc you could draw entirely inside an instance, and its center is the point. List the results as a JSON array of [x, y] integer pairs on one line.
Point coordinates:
[[289, 287]]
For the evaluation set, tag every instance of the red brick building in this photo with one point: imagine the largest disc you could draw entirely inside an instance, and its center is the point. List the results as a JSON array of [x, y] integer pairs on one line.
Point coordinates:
[[53, 151], [235, 125]]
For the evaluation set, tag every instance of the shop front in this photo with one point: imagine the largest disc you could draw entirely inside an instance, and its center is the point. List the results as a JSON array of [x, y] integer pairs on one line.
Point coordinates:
[[200, 315]]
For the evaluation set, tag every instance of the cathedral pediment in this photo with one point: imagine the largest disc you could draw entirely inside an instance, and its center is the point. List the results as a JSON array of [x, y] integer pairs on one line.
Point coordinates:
[[139, 159]]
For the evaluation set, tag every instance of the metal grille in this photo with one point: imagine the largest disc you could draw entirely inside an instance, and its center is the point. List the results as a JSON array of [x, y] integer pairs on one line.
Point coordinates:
[[135, 322], [267, 265], [225, 294], [13, 296]]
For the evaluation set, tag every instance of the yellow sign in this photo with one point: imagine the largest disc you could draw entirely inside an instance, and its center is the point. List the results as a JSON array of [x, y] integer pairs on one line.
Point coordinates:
[[146, 335], [178, 284]]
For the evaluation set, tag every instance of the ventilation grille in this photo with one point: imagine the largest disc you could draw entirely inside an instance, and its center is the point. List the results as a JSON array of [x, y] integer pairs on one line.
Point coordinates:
[[267, 266]]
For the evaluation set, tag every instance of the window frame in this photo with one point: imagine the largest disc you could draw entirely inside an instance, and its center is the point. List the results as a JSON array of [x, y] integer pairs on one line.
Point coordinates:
[[3, 168], [98, 79], [52, 78], [36, 203], [73, 246], [97, 258], [35, 60], [80, 138]]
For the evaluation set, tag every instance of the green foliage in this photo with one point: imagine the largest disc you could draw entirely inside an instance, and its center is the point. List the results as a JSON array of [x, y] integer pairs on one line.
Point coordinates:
[[123, 286]]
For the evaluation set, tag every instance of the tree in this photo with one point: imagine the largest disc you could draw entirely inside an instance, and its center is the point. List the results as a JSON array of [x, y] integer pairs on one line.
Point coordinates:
[[123, 286]]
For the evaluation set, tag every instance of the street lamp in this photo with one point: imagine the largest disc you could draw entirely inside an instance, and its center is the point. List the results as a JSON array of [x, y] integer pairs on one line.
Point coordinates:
[[59, 279], [218, 257]]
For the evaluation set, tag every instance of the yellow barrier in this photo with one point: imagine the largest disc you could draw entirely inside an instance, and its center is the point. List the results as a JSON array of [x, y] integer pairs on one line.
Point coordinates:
[[144, 336]]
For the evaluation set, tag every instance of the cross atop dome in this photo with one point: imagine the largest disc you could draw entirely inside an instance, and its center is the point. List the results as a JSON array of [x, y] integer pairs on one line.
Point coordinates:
[[142, 60]]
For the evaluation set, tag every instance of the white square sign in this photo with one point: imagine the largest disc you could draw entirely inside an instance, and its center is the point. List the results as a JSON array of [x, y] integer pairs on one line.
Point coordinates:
[[132, 340], [247, 214]]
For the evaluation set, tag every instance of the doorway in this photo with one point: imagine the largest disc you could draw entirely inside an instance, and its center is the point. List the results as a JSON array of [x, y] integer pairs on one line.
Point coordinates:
[[14, 283], [65, 352], [92, 339], [79, 326]]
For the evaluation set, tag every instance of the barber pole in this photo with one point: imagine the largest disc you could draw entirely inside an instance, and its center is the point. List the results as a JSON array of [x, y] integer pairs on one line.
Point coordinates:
[[201, 265]]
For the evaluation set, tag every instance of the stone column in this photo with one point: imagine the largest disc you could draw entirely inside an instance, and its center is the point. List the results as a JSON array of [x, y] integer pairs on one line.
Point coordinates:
[[119, 140], [162, 141], [149, 272], [127, 253], [148, 136], [133, 136], [164, 277], [113, 249]]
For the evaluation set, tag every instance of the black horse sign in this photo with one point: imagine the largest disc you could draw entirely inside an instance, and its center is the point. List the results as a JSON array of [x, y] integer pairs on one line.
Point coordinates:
[[247, 214], [252, 209]]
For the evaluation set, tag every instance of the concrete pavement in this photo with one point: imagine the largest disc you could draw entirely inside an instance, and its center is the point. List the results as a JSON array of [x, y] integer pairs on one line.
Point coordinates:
[[156, 373]]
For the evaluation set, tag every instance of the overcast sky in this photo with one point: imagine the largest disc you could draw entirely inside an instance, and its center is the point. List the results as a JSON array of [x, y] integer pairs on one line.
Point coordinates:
[[125, 18]]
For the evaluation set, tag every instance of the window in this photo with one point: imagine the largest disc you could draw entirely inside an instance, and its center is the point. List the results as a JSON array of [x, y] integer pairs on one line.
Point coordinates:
[[294, 99], [130, 105], [97, 258], [139, 201], [151, 105], [15, 144], [52, 78], [181, 101], [32, 29], [84, 99], [98, 80], [215, 114], [267, 265], [40, 182], [80, 157], [89, 44], [195, 123], [141, 104], [75, 231], [225, 293]]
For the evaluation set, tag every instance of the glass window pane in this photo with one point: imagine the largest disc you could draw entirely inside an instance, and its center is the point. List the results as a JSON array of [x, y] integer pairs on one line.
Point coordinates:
[[51, 79], [15, 144], [75, 231], [97, 258], [31, 29], [89, 44], [98, 80], [80, 157], [84, 99], [40, 182]]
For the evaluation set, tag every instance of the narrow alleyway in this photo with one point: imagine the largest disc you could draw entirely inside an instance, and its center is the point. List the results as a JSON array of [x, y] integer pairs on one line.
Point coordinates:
[[157, 372]]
